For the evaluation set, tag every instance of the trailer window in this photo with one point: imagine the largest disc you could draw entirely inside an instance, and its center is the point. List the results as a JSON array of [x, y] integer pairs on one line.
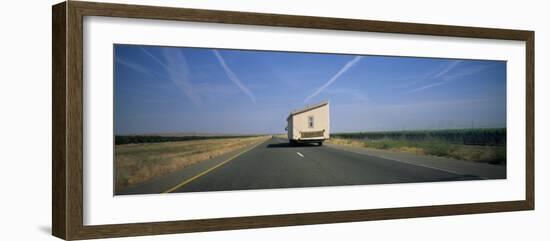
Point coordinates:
[[310, 121]]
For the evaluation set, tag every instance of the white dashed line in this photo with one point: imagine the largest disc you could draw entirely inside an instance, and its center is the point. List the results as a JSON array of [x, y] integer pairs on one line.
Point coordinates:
[[299, 154]]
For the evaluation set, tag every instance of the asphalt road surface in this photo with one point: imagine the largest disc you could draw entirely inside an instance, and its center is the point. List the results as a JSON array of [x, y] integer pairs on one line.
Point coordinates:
[[277, 164]]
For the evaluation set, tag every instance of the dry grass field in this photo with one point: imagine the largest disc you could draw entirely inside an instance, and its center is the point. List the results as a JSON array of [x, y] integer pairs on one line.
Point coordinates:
[[137, 163]]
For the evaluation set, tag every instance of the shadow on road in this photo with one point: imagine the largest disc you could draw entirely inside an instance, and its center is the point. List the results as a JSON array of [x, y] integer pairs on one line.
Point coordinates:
[[288, 145]]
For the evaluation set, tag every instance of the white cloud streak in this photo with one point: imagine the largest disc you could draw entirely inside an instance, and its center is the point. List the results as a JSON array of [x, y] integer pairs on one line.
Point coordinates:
[[425, 87], [448, 68], [178, 72], [155, 58], [340, 72], [233, 77], [133, 66], [442, 75]]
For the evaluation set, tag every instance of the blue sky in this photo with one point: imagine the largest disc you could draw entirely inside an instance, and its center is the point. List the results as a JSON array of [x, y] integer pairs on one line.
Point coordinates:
[[168, 89]]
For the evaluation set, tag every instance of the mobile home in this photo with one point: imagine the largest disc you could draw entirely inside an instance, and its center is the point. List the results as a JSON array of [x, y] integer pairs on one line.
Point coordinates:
[[309, 124]]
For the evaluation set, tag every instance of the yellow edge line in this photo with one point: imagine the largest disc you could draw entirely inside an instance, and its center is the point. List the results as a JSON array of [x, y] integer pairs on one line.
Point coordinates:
[[210, 169]]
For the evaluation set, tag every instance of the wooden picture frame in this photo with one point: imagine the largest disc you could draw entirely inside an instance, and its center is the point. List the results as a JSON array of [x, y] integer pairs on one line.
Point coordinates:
[[67, 124]]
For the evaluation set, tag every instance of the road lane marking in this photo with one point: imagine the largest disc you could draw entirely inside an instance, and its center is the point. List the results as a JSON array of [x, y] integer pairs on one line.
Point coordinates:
[[299, 154], [210, 169]]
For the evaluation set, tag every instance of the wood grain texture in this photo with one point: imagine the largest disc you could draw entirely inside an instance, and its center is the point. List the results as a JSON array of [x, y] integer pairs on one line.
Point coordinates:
[[154, 228], [58, 121], [67, 78], [279, 20], [74, 121], [530, 120]]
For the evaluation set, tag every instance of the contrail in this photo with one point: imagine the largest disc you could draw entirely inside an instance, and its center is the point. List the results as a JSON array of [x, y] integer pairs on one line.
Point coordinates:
[[441, 74], [133, 66], [343, 70], [429, 86], [178, 72], [449, 67], [155, 58], [233, 77], [433, 74]]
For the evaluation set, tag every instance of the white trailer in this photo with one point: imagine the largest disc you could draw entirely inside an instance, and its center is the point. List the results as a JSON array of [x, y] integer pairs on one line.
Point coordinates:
[[309, 124]]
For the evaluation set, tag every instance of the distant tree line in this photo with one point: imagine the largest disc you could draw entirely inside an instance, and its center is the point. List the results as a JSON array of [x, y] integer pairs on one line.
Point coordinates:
[[482, 136], [135, 139]]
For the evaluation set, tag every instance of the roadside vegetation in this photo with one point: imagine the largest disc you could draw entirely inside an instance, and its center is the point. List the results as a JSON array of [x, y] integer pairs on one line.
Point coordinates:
[[134, 139], [137, 163], [480, 145]]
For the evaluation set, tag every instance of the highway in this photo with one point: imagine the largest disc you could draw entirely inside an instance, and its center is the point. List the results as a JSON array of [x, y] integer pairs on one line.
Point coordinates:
[[277, 164]]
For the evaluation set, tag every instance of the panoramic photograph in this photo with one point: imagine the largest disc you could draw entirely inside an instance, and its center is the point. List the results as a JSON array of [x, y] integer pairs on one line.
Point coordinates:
[[190, 119]]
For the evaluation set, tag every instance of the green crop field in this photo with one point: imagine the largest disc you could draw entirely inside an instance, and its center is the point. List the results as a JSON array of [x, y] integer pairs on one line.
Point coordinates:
[[481, 145], [481, 137]]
